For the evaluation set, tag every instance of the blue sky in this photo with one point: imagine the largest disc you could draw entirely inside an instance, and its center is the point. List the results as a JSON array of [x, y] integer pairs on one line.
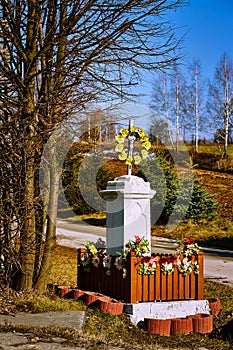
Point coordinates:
[[208, 25], [210, 31]]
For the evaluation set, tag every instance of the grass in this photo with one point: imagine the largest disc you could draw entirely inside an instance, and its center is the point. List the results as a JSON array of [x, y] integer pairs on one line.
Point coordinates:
[[214, 233], [102, 330], [217, 149], [64, 267]]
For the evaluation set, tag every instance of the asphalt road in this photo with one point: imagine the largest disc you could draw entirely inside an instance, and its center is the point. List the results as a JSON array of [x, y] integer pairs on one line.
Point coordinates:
[[218, 263]]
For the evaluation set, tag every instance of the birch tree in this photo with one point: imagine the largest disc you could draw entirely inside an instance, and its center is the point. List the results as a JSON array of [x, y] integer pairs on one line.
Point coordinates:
[[196, 100], [179, 105], [220, 103], [160, 108], [170, 103]]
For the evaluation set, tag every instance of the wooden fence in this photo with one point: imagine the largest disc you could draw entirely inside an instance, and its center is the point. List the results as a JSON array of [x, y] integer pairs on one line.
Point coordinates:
[[137, 288]]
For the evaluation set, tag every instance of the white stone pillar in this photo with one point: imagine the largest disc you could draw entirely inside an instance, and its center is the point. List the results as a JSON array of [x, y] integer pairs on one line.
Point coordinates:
[[128, 211]]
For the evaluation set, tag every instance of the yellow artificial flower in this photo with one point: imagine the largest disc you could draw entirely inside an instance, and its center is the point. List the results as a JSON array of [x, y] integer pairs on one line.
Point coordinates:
[[119, 147], [141, 132], [133, 128], [144, 138], [122, 156], [137, 159], [129, 160], [120, 139], [93, 250], [144, 153], [147, 145], [124, 132]]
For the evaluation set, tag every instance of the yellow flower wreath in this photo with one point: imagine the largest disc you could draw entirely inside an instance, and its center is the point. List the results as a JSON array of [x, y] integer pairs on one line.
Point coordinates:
[[144, 140]]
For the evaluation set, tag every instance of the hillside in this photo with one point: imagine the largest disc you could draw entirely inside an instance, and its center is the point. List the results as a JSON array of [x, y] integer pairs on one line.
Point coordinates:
[[220, 184]]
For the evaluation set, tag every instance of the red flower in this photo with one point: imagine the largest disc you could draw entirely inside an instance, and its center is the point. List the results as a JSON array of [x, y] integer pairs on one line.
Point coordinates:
[[170, 259], [188, 240], [137, 239], [163, 259], [146, 259]]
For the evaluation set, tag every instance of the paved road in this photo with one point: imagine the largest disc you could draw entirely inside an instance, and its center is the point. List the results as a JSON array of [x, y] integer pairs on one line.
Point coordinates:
[[218, 263]]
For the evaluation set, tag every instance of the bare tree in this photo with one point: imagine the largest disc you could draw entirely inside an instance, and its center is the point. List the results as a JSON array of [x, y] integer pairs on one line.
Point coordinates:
[[160, 107], [177, 104], [195, 111], [220, 103], [178, 95], [56, 57]]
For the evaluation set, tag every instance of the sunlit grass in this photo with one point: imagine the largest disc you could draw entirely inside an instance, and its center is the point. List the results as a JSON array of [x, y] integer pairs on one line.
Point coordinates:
[[216, 149], [101, 330], [218, 232], [64, 267], [37, 303]]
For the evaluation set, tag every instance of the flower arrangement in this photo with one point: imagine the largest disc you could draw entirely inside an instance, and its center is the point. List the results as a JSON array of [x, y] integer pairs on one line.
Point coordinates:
[[148, 265], [93, 256], [187, 247], [120, 264], [107, 261], [167, 264], [135, 134], [187, 251], [185, 258], [140, 246], [90, 256]]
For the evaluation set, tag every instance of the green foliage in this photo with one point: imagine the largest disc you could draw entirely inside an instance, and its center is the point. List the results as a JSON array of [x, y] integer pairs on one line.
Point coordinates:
[[178, 196], [83, 178], [202, 204]]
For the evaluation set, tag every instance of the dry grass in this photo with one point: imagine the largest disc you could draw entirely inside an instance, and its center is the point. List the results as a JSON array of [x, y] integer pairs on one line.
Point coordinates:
[[215, 233], [102, 330], [64, 267]]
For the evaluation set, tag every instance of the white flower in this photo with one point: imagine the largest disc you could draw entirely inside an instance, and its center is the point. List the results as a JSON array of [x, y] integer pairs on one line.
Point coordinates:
[[96, 261], [107, 261], [167, 267], [85, 259], [118, 263]]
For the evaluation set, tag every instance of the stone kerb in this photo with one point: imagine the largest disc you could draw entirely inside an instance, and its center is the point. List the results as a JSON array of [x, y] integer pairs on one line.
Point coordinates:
[[128, 211], [165, 310]]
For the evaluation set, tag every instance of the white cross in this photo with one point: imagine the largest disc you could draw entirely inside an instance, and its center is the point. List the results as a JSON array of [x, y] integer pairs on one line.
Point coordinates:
[[131, 139]]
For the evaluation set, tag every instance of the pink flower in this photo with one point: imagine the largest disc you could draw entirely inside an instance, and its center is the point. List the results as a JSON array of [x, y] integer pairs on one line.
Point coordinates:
[[156, 259]]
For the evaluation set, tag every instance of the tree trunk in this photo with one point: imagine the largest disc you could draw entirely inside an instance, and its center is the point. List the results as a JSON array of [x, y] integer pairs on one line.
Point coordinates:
[[167, 110], [226, 131], [196, 114], [28, 235], [226, 111], [177, 115], [50, 240]]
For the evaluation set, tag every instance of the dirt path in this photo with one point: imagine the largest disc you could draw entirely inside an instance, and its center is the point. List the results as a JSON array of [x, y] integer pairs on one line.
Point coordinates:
[[220, 184]]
